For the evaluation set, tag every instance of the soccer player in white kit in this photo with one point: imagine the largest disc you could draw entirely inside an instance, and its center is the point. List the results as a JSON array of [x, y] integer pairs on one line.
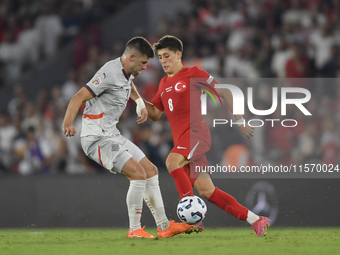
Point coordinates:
[[106, 96]]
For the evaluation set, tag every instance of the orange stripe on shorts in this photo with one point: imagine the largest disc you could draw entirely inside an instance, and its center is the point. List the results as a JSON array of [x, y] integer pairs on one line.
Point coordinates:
[[100, 156]]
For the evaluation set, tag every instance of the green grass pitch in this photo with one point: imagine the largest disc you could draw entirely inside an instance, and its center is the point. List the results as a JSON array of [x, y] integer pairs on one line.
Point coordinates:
[[211, 241]]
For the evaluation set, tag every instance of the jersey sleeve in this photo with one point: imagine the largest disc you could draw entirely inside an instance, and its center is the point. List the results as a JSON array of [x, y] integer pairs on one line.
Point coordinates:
[[210, 80], [156, 101], [99, 83]]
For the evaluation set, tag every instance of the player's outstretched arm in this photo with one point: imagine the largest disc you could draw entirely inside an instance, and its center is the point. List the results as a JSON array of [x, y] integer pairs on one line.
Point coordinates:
[[245, 129], [141, 111], [72, 110], [153, 112], [143, 115], [134, 92]]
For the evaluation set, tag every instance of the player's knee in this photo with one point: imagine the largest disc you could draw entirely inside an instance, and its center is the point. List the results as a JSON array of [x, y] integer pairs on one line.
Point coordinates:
[[171, 165], [138, 173], [152, 171]]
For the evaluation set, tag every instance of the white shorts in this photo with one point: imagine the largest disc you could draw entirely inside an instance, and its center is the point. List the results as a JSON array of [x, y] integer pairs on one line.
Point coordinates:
[[111, 152]]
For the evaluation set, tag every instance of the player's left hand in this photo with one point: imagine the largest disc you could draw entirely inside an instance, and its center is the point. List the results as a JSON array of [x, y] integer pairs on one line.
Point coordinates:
[[143, 117], [247, 130]]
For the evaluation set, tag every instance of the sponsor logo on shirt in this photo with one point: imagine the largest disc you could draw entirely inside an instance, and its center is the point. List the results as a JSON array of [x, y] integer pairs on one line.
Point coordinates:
[[168, 89], [96, 81], [180, 87]]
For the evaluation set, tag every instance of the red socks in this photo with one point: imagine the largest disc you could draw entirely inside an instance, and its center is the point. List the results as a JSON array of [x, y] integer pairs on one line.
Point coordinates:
[[218, 197], [228, 204], [182, 181]]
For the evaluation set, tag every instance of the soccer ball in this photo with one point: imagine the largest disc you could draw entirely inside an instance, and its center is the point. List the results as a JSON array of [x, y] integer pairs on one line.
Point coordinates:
[[191, 209]]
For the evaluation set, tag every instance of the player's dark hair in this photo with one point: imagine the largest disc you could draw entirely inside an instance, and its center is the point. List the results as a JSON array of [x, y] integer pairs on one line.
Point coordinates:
[[141, 45], [169, 42]]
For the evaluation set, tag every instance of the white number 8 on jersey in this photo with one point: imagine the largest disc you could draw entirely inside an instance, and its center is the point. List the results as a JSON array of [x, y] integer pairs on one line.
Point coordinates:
[[171, 107]]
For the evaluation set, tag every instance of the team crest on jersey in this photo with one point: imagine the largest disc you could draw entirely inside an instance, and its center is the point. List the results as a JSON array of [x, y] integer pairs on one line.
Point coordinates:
[[180, 86], [97, 81], [115, 147]]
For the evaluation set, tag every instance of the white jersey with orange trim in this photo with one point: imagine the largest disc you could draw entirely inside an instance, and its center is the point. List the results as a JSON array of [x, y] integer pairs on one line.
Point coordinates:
[[111, 90]]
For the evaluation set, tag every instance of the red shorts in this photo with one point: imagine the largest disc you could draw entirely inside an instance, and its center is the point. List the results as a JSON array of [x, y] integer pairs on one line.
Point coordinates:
[[193, 145]]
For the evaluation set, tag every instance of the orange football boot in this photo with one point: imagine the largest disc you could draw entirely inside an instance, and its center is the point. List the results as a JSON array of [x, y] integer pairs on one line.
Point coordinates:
[[139, 233], [174, 229]]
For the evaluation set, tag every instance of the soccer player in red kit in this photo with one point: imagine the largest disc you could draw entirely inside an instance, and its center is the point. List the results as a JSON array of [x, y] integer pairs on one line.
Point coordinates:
[[191, 134]]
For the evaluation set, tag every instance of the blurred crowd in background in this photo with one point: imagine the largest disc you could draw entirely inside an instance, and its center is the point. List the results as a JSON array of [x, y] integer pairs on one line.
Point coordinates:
[[248, 39], [34, 30]]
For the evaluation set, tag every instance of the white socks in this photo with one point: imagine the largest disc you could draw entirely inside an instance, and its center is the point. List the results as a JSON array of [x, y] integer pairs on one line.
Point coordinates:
[[154, 201], [252, 217], [134, 201], [149, 189]]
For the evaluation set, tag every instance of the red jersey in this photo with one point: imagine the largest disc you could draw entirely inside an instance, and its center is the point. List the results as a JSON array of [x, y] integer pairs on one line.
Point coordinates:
[[174, 95]]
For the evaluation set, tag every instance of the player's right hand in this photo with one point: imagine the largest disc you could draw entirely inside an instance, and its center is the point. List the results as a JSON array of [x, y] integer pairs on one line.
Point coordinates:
[[143, 117], [140, 106], [69, 131]]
